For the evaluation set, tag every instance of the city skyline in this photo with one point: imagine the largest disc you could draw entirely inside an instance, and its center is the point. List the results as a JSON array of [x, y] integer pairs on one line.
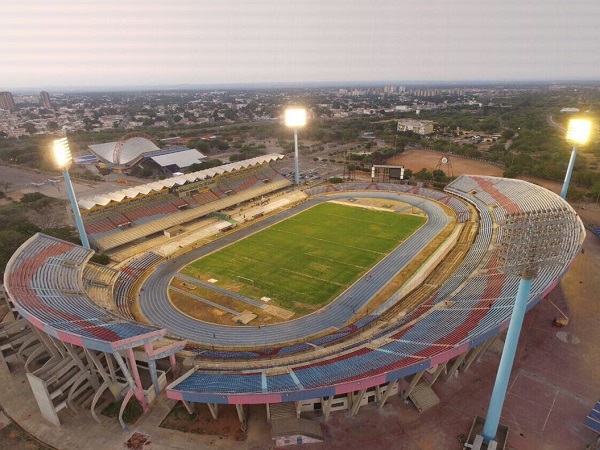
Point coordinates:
[[69, 44]]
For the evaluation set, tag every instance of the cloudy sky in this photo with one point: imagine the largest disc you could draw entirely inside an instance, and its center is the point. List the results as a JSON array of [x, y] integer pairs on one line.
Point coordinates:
[[68, 43]]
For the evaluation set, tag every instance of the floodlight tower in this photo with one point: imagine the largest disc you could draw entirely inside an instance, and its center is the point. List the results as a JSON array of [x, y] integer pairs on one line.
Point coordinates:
[[295, 118], [530, 241], [64, 159], [578, 133]]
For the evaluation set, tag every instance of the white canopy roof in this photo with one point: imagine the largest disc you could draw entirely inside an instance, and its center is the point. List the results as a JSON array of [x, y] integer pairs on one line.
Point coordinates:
[[181, 158], [131, 150], [132, 192]]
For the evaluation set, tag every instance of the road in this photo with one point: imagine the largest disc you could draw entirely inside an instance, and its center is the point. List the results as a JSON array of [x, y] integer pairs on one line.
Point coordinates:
[[551, 122]]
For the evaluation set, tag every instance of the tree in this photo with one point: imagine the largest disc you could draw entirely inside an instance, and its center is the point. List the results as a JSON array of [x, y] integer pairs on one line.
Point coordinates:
[[423, 175], [508, 134], [29, 128], [87, 123], [5, 186], [439, 175], [222, 145], [230, 114], [52, 126], [595, 191], [100, 258], [204, 165]]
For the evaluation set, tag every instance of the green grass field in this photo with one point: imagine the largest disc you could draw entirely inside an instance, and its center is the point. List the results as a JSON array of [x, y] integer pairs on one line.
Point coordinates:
[[304, 262]]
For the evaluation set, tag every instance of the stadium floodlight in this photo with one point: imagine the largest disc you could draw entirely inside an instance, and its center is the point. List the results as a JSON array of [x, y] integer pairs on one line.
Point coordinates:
[[578, 133], [295, 118], [64, 159], [62, 154], [530, 241]]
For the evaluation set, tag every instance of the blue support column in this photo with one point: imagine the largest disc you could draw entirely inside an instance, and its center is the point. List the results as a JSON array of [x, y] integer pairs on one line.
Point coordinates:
[[75, 208], [506, 361], [565, 188], [296, 157]]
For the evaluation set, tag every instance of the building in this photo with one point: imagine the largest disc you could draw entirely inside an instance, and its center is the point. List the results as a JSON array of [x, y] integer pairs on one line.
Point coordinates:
[[421, 127], [174, 160], [7, 102], [45, 100], [136, 148]]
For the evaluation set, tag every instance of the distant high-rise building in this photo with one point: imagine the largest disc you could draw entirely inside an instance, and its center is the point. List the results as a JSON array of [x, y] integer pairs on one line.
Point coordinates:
[[7, 102], [45, 100]]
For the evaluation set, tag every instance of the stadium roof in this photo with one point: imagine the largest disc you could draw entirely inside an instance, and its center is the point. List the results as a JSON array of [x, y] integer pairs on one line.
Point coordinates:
[[131, 151], [132, 192], [181, 157]]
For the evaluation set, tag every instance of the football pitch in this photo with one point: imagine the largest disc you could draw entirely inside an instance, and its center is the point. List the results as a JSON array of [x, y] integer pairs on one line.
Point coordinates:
[[304, 262]]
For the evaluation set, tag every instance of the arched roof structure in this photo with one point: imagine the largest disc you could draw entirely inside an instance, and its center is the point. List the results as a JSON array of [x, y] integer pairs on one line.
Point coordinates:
[[127, 151]]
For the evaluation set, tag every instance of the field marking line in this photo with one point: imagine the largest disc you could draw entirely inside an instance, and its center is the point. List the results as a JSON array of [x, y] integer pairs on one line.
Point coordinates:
[[312, 277], [550, 411], [333, 243]]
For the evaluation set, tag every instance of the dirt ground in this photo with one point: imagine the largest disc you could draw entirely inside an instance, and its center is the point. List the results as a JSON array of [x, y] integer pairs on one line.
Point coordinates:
[[416, 159], [13, 437], [201, 422]]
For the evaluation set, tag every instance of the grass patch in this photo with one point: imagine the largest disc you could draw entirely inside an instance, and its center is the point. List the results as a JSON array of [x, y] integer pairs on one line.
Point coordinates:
[[133, 410], [307, 260]]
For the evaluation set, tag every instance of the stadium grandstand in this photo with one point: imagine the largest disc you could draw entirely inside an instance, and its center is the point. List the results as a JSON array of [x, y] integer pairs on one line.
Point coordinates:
[[440, 321], [118, 218]]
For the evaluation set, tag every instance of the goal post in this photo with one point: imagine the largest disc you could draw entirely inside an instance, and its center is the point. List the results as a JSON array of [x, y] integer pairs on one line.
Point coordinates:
[[240, 277]]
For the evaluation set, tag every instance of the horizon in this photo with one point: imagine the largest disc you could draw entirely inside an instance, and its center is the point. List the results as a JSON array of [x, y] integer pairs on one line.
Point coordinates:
[[242, 86], [70, 45]]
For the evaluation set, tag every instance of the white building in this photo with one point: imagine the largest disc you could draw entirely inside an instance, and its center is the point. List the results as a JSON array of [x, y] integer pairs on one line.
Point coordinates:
[[421, 127]]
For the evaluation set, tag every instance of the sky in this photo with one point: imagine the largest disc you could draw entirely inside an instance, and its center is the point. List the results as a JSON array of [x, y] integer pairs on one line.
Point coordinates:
[[68, 43]]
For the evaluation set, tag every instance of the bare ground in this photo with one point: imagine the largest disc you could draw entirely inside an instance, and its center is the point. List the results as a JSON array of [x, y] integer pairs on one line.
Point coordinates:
[[416, 159]]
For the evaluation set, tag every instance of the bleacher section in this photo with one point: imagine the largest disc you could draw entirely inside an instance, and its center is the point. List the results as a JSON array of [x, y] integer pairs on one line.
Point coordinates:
[[98, 282], [145, 229], [73, 350], [592, 421], [44, 281], [152, 210], [461, 210], [127, 278], [472, 306]]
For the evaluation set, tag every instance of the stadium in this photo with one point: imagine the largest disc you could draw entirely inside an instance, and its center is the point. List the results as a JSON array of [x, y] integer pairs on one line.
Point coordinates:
[[392, 313]]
